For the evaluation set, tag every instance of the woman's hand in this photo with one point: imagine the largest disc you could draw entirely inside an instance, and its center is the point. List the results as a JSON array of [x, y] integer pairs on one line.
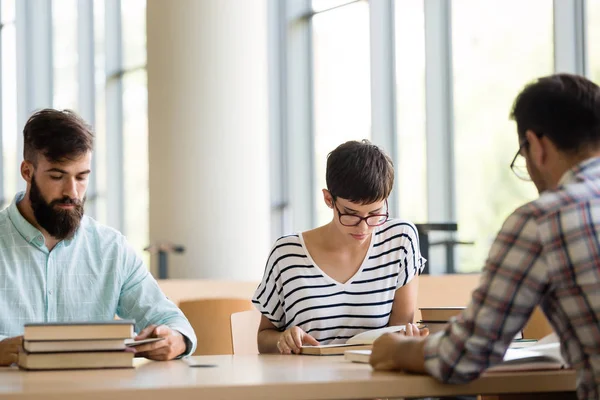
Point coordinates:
[[413, 330], [291, 340]]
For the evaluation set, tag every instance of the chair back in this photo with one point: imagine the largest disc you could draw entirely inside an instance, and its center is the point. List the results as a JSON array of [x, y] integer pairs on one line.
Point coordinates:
[[538, 326], [445, 291], [244, 327], [210, 319]]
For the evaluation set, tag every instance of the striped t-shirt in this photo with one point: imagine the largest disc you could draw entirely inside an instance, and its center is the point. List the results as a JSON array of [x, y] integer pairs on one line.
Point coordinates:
[[295, 292]]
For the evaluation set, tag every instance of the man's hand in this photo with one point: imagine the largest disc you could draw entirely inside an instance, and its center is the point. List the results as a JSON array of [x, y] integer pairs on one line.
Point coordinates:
[[292, 339], [172, 346], [386, 353], [9, 350], [400, 352]]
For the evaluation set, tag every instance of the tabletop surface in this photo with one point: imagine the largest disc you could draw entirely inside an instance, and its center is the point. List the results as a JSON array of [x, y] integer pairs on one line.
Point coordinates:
[[261, 377]]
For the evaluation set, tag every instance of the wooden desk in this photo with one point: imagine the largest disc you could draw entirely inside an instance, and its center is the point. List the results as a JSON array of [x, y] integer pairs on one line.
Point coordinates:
[[259, 377]]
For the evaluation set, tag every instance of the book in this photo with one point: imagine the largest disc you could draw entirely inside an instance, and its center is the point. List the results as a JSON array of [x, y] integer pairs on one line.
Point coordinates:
[[53, 346], [436, 326], [522, 355], [543, 355], [114, 329], [439, 314], [80, 360], [359, 341], [433, 326], [358, 356]]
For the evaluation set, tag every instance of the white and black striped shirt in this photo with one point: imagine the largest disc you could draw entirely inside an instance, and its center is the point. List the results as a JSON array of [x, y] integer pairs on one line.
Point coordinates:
[[295, 292]]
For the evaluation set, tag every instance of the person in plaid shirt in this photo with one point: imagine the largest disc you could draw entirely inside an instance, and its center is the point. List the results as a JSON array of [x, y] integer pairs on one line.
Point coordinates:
[[547, 252]]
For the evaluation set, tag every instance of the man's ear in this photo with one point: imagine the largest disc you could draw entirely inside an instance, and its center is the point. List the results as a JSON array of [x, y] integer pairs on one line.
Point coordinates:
[[537, 148], [328, 198], [27, 170]]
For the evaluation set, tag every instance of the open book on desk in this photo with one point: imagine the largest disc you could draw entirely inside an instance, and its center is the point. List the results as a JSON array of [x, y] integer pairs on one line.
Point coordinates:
[[544, 355], [360, 341]]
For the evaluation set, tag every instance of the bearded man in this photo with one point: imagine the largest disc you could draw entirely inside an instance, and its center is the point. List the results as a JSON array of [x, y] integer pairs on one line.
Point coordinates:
[[59, 265]]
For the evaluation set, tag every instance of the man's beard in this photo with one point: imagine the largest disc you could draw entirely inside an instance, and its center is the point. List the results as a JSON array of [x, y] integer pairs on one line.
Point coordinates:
[[60, 224]]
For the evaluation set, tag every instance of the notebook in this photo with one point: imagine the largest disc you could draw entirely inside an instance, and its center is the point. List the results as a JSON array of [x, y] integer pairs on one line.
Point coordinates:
[[360, 341]]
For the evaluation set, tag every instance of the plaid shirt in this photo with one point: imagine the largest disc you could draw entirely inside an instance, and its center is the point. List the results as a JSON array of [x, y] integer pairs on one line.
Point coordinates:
[[547, 253]]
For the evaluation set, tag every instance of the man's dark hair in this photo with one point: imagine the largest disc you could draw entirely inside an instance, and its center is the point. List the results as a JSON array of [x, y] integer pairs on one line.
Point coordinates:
[[57, 135], [359, 172], [565, 108]]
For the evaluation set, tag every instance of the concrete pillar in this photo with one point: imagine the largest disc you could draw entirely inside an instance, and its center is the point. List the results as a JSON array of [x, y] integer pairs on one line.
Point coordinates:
[[208, 135]]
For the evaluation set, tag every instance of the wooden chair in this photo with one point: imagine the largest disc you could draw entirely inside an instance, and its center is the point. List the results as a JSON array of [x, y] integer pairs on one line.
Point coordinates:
[[244, 326], [210, 319], [538, 326], [178, 290], [445, 290]]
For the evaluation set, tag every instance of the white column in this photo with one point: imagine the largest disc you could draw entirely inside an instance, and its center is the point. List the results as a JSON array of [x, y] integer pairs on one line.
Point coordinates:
[[208, 135]]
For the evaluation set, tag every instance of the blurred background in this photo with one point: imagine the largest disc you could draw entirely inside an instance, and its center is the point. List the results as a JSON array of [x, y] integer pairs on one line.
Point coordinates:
[[214, 118]]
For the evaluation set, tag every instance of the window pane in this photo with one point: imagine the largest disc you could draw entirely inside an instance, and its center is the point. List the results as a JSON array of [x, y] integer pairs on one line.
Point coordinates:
[[342, 98], [8, 11], [100, 128], [64, 21], [593, 42], [10, 133], [320, 5], [496, 51], [135, 137], [134, 33], [411, 166]]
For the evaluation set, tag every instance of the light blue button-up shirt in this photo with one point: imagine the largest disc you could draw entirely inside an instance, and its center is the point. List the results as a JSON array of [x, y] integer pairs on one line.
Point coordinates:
[[91, 277]]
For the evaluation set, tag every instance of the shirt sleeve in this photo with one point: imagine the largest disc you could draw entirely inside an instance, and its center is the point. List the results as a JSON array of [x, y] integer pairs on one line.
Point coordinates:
[[268, 298], [513, 281], [411, 261], [142, 300]]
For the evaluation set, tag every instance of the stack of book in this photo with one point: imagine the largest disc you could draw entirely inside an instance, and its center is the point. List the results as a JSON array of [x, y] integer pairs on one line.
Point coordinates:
[[436, 318], [77, 345]]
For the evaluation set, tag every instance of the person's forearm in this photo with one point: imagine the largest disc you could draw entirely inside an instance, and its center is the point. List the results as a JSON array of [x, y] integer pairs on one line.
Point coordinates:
[[267, 341], [412, 355], [401, 319]]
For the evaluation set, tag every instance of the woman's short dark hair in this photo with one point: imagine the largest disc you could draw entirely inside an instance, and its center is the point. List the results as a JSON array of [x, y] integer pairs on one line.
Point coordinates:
[[57, 135], [359, 172], [565, 108]]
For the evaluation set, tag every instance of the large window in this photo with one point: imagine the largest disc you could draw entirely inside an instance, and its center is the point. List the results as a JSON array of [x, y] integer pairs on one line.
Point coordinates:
[[458, 65], [135, 122], [341, 84], [593, 42], [8, 136], [411, 166], [495, 52], [97, 67], [65, 57]]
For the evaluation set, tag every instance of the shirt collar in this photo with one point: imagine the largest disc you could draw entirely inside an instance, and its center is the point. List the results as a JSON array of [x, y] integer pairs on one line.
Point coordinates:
[[586, 170], [29, 232]]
